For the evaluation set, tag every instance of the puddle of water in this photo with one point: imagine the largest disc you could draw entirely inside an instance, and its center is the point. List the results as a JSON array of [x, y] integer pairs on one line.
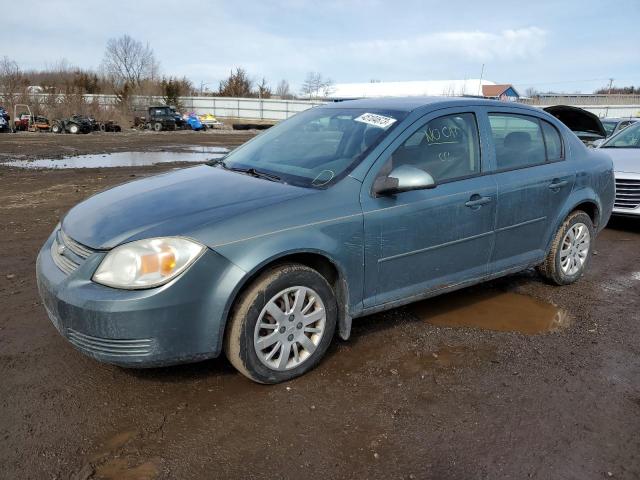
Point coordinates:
[[499, 311], [203, 149], [119, 469], [122, 159]]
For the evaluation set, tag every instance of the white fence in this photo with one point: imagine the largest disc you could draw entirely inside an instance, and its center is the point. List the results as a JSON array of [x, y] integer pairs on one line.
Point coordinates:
[[247, 108], [622, 111], [256, 109]]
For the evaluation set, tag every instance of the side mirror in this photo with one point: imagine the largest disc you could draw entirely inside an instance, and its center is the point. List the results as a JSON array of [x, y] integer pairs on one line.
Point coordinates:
[[403, 179]]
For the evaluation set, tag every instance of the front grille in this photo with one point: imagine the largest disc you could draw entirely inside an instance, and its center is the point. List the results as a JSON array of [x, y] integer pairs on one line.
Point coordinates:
[[68, 254], [627, 193], [80, 250], [107, 346]]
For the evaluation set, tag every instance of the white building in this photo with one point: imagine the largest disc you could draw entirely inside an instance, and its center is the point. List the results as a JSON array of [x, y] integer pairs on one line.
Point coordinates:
[[472, 86]]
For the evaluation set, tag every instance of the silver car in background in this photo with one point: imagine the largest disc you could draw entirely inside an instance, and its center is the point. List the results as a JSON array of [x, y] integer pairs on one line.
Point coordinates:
[[615, 125], [624, 150]]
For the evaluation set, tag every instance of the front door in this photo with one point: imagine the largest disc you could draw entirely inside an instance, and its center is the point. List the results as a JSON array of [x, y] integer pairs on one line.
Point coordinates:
[[425, 240]]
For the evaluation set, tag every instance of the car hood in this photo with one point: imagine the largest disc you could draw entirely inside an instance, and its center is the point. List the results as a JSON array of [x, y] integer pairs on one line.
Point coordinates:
[[577, 119], [624, 159], [173, 203]]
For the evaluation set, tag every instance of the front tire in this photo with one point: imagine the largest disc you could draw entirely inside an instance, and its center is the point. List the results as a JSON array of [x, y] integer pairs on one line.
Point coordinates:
[[570, 251], [282, 324], [74, 129]]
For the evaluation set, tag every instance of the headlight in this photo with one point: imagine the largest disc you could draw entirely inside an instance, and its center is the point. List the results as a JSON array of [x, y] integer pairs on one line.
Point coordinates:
[[147, 263]]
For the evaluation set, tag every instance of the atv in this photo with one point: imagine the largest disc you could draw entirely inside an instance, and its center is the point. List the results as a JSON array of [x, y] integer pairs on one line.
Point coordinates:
[[73, 124]]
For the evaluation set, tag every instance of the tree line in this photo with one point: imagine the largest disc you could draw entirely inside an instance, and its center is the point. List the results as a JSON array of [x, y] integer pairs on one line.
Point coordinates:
[[129, 68]]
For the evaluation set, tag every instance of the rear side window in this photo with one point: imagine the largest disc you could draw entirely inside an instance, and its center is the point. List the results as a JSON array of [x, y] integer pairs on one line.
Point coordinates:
[[552, 141], [446, 147], [518, 140]]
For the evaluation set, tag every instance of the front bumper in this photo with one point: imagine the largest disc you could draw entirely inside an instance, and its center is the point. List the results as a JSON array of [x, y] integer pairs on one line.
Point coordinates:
[[179, 322]]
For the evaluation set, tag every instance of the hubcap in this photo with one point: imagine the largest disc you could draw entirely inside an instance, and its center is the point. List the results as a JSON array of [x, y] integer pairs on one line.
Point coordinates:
[[575, 249], [289, 328]]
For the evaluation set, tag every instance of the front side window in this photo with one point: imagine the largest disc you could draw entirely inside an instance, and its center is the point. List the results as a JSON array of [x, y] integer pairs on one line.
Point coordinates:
[[627, 138], [315, 147], [518, 140], [446, 147]]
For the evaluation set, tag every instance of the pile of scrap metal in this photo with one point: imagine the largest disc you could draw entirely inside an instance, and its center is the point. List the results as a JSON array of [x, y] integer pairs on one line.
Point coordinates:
[[106, 126], [31, 123]]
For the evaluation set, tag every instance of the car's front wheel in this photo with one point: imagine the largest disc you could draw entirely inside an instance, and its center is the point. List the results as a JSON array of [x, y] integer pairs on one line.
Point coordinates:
[[570, 251], [282, 324]]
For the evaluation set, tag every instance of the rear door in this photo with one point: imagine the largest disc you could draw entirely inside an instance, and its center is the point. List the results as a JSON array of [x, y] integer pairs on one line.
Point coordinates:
[[534, 181]]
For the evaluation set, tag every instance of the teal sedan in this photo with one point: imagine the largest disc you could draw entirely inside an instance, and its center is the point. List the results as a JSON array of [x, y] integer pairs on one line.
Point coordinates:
[[341, 211]]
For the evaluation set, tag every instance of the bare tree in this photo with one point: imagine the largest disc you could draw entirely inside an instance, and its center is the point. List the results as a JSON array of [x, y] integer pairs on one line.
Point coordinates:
[[128, 63], [531, 92], [283, 90], [264, 90], [315, 86], [12, 80]]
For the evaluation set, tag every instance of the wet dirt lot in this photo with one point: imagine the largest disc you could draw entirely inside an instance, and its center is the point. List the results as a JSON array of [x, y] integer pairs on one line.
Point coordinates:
[[513, 379]]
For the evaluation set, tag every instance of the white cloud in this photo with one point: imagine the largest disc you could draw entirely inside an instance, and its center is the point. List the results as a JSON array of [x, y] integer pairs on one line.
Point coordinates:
[[458, 45]]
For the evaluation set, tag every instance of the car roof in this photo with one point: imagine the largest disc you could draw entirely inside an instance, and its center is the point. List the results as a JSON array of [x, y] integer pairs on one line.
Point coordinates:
[[409, 104]]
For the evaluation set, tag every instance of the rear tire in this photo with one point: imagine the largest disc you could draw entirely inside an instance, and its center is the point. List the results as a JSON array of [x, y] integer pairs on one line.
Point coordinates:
[[570, 252], [157, 126], [74, 129], [281, 324]]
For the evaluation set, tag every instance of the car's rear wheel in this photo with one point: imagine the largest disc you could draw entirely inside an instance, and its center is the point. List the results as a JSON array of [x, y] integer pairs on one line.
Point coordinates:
[[570, 251], [157, 126], [74, 128], [282, 324]]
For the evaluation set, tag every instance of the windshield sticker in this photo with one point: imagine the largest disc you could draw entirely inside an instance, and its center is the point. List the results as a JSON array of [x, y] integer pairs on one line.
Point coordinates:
[[376, 120]]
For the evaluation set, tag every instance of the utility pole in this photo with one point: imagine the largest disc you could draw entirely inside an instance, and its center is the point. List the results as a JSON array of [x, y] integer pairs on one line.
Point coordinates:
[[480, 82], [610, 85]]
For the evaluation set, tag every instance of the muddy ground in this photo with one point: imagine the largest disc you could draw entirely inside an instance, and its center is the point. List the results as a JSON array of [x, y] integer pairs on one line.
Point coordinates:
[[404, 398]]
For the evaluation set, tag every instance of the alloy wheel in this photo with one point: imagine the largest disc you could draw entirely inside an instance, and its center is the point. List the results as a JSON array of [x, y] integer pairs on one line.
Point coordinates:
[[575, 249], [289, 328]]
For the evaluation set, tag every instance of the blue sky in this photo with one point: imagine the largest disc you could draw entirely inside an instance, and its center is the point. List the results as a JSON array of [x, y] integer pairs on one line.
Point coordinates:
[[565, 46]]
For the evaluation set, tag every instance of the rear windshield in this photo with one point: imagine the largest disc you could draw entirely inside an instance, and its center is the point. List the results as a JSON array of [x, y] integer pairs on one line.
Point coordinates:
[[316, 147]]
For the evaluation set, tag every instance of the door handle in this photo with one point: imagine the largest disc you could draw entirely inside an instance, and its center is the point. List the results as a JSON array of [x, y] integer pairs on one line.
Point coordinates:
[[558, 184], [477, 201]]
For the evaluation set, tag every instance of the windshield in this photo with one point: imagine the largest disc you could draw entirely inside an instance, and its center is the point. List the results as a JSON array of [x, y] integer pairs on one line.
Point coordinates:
[[316, 147], [627, 138], [609, 126]]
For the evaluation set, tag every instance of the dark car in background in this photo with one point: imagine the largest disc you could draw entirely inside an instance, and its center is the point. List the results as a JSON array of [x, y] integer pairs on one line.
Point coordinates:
[[341, 211], [584, 124], [4, 120]]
